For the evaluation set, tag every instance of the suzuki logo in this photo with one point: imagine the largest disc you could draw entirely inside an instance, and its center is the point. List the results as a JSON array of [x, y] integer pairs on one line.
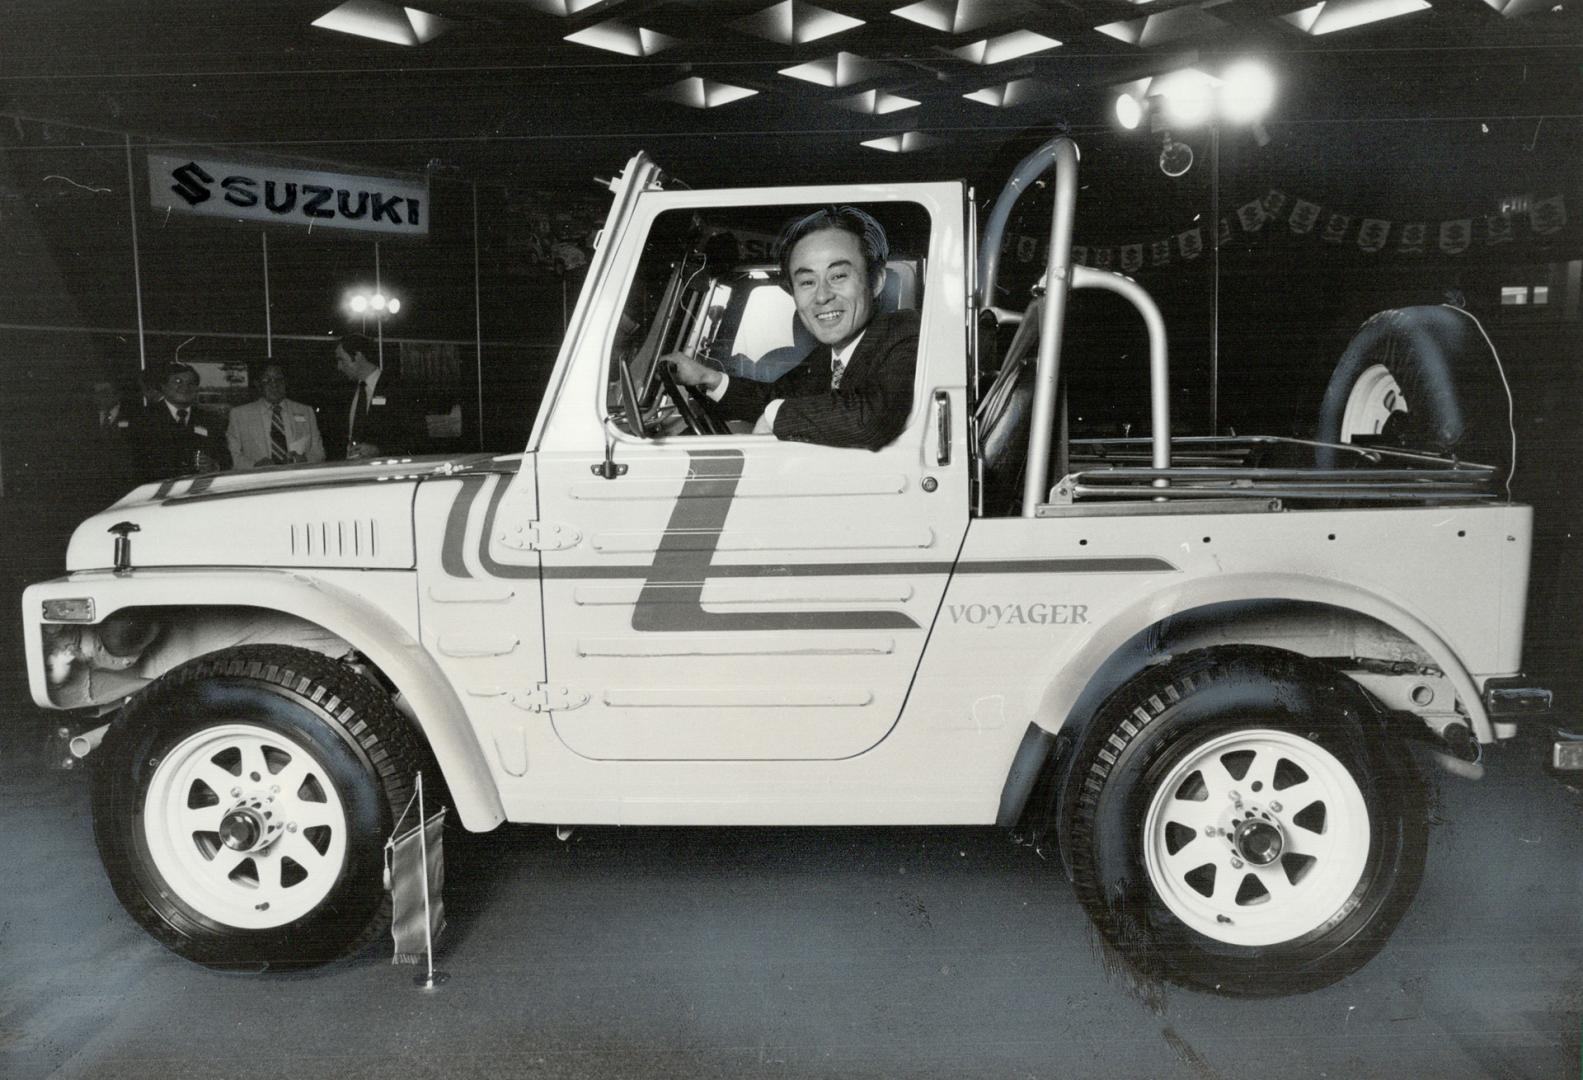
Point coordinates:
[[191, 183]]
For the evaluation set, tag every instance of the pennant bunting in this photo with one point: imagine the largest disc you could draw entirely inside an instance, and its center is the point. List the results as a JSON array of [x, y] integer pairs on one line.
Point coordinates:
[[1548, 216], [1252, 215], [1372, 234], [1455, 236], [1131, 258], [1191, 242], [1305, 215], [1414, 235], [1336, 226]]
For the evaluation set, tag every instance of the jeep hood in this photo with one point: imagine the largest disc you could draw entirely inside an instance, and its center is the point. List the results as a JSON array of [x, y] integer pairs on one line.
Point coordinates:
[[344, 514]]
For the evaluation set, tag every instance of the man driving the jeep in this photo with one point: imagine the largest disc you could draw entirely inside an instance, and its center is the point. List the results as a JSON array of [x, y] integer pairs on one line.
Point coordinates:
[[855, 388]]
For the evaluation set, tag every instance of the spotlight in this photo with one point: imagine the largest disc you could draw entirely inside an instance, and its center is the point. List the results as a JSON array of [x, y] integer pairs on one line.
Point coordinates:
[[1186, 98], [1247, 92], [359, 304], [393, 306], [377, 301], [1129, 111]]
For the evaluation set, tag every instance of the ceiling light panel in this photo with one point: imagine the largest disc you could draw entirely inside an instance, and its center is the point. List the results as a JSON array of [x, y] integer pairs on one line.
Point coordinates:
[[564, 8], [793, 22], [1010, 94], [1163, 28], [877, 103], [698, 93], [904, 143], [615, 36], [381, 21], [953, 16], [1514, 9], [842, 69], [1331, 16], [1012, 46]]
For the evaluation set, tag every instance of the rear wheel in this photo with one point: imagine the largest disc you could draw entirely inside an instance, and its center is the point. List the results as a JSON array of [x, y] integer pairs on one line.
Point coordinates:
[[242, 803], [1240, 822]]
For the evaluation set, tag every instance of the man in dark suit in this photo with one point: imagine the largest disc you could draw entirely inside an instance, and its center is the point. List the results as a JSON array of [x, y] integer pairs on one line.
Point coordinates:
[[173, 436], [383, 418], [855, 388]]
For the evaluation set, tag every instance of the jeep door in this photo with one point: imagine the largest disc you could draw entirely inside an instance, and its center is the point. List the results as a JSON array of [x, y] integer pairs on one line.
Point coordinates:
[[734, 596]]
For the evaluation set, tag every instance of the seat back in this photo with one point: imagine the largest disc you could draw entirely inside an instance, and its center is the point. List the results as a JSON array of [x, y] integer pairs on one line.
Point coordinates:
[[1005, 416]]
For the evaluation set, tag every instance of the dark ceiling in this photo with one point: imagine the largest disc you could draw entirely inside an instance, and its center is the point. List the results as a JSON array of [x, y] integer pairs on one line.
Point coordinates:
[[503, 96]]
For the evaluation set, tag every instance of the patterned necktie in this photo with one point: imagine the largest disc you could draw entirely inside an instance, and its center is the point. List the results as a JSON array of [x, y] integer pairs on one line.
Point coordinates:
[[277, 436], [837, 367], [359, 407]]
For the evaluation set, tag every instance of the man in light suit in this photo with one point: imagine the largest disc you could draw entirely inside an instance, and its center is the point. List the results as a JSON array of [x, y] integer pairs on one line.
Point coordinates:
[[273, 430], [855, 388]]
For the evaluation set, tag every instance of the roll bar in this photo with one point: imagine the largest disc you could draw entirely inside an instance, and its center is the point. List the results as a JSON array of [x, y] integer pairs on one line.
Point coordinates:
[[1060, 278]]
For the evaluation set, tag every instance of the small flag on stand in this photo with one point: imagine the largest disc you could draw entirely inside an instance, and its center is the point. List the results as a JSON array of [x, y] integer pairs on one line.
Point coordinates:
[[415, 877]]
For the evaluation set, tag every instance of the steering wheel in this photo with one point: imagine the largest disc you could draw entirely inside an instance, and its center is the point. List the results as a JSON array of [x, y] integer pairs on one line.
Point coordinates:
[[692, 405]]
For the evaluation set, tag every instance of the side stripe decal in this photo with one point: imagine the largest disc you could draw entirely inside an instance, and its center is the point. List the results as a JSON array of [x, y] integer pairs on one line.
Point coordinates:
[[672, 596]]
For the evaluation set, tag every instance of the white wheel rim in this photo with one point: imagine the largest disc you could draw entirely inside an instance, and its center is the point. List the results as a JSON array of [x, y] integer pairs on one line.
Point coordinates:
[[1375, 397], [251, 773], [1269, 784]]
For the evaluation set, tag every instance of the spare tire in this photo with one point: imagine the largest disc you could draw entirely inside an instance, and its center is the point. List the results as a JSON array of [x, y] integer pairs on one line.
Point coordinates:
[[1420, 378]]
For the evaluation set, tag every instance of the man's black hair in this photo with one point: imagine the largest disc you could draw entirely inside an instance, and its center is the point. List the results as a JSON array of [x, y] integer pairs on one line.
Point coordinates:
[[849, 219], [174, 368], [355, 343]]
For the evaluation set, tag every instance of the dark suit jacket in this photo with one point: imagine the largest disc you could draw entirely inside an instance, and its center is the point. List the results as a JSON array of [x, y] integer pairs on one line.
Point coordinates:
[[870, 408], [393, 420], [162, 448]]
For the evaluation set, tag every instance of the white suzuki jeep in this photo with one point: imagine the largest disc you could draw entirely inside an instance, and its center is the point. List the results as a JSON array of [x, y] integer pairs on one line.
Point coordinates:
[[1195, 664]]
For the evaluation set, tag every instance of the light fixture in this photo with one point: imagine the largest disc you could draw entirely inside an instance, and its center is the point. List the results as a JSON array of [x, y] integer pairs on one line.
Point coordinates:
[[795, 22], [564, 8], [1129, 111], [698, 93], [1012, 46], [1329, 16], [382, 21], [1010, 94], [615, 36], [904, 143], [951, 16], [1247, 90], [365, 303], [877, 103], [842, 69], [1188, 97]]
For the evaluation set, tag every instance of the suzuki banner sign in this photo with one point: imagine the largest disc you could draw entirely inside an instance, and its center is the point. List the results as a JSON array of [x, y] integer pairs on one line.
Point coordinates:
[[252, 192]]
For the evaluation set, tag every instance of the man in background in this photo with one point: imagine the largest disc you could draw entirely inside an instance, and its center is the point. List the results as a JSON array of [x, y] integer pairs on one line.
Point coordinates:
[[173, 436], [273, 430], [383, 418]]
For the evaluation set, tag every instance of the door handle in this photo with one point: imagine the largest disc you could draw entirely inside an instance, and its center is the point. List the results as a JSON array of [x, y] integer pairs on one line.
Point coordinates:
[[942, 405]]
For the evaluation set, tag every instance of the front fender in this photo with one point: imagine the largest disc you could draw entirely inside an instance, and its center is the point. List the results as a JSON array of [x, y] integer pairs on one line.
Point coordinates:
[[365, 626], [1116, 650]]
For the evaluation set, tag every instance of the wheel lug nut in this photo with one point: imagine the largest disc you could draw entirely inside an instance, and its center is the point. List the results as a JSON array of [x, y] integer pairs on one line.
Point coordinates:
[[292, 827], [1236, 797], [236, 793], [1236, 863], [1275, 807], [275, 790]]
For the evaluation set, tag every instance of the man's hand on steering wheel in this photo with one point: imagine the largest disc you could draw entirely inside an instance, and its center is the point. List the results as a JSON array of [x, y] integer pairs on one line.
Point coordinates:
[[690, 372], [691, 404]]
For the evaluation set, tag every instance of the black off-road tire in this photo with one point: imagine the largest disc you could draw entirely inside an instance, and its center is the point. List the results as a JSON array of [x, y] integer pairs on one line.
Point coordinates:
[[1133, 783], [1448, 381], [301, 709]]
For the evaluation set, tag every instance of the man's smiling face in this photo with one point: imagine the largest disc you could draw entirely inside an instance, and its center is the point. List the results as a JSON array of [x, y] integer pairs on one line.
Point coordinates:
[[829, 283]]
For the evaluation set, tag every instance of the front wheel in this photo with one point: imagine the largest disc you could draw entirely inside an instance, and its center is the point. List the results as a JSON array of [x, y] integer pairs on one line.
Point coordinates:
[[1241, 823], [242, 803]]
